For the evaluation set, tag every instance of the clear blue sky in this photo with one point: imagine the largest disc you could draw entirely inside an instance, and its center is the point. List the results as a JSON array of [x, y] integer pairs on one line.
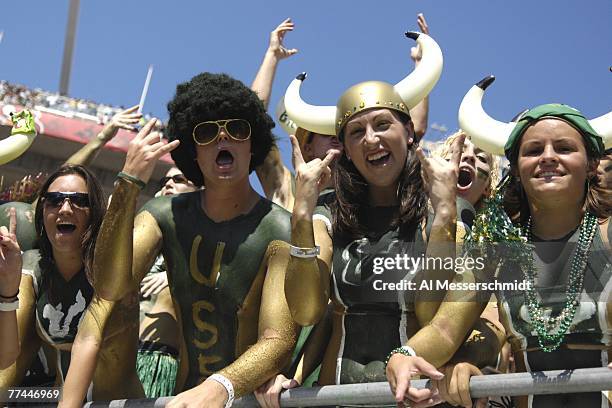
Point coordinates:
[[540, 50]]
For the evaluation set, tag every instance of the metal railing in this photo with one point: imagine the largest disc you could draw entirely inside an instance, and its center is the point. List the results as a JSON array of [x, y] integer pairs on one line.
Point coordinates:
[[377, 394]]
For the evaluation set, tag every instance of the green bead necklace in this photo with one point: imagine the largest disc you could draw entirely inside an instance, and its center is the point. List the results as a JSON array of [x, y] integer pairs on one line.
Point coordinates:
[[552, 330]]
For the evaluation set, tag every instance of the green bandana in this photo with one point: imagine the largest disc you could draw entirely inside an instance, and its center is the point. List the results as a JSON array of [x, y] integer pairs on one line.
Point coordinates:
[[566, 113]]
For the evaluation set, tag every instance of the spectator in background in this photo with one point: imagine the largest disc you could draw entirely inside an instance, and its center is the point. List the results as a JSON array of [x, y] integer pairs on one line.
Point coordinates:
[[604, 170]]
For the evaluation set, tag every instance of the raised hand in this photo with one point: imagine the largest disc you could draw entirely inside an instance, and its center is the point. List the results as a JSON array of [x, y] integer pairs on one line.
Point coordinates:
[[144, 151], [415, 52], [440, 176], [399, 371], [126, 119], [276, 40], [312, 176], [10, 258]]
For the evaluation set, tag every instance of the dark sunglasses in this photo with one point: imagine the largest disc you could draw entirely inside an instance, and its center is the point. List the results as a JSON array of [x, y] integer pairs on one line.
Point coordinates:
[[56, 199], [207, 132], [177, 178]]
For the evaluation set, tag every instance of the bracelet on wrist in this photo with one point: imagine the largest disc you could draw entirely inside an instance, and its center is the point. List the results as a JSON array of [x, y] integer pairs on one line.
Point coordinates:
[[9, 298], [227, 384], [9, 306], [134, 180], [405, 350]]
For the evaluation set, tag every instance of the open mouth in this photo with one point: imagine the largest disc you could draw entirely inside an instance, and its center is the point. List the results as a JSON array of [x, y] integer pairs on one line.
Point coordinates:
[[224, 158], [66, 228], [549, 174], [464, 181], [379, 159]]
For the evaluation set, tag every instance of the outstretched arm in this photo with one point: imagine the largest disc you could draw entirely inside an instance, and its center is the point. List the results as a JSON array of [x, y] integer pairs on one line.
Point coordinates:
[[274, 176], [84, 353], [127, 246], [123, 120], [262, 84], [275, 179]]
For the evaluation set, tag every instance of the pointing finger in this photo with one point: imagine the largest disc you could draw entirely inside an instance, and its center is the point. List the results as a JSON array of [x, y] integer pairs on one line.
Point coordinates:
[[296, 151]]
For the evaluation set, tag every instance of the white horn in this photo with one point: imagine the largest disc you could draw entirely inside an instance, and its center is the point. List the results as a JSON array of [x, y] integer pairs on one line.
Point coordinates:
[[424, 77], [487, 133], [283, 119], [603, 126], [318, 119]]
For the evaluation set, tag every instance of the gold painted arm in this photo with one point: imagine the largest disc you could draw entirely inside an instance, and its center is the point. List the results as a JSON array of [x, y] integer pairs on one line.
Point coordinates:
[[485, 341], [275, 179], [440, 245], [126, 246], [85, 351], [277, 331], [315, 347], [440, 339], [86, 154], [307, 281]]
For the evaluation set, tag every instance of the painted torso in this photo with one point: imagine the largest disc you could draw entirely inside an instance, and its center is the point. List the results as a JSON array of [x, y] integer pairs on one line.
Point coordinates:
[[60, 305], [367, 327], [212, 267], [588, 342]]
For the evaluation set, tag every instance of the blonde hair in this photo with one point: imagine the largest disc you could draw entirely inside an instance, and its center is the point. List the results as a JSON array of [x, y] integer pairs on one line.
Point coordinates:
[[443, 150]]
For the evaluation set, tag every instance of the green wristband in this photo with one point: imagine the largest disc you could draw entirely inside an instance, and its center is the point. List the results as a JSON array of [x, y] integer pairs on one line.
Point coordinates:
[[135, 180]]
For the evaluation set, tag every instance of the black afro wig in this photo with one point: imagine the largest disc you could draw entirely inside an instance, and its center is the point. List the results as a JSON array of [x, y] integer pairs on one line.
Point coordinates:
[[213, 97]]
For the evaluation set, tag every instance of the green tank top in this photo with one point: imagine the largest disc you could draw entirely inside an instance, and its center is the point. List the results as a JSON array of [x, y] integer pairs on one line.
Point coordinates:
[[211, 269]]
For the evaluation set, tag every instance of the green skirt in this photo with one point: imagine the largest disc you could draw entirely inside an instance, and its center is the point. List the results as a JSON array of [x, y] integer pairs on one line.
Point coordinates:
[[157, 365]]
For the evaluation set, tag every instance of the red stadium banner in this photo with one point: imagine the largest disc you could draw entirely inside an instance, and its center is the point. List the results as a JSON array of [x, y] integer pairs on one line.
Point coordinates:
[[70, 126]]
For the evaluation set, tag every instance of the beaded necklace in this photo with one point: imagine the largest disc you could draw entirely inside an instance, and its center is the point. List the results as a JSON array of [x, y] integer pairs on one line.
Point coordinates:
[[552, 330]]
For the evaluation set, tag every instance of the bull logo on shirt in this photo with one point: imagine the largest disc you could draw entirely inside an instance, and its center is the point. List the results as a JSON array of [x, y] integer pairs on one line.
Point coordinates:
[[55, 316]]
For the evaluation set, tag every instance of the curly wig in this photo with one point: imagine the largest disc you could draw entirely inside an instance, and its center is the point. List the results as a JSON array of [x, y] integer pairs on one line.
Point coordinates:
[[207, 97]]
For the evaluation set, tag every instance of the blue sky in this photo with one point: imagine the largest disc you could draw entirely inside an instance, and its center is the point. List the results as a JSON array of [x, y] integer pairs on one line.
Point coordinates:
[[540, 51]]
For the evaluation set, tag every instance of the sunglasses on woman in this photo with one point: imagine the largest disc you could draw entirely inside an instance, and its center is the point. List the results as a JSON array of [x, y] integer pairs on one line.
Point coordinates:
[[207, 132], [56, 199], [177, 178]]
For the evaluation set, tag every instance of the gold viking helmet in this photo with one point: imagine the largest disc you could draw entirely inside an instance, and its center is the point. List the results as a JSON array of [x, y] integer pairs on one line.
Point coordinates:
[[401, 97], [492, 135]]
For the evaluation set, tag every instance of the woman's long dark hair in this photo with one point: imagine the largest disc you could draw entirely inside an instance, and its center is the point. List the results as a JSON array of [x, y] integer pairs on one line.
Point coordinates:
[[352, 194], [97, 208]]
